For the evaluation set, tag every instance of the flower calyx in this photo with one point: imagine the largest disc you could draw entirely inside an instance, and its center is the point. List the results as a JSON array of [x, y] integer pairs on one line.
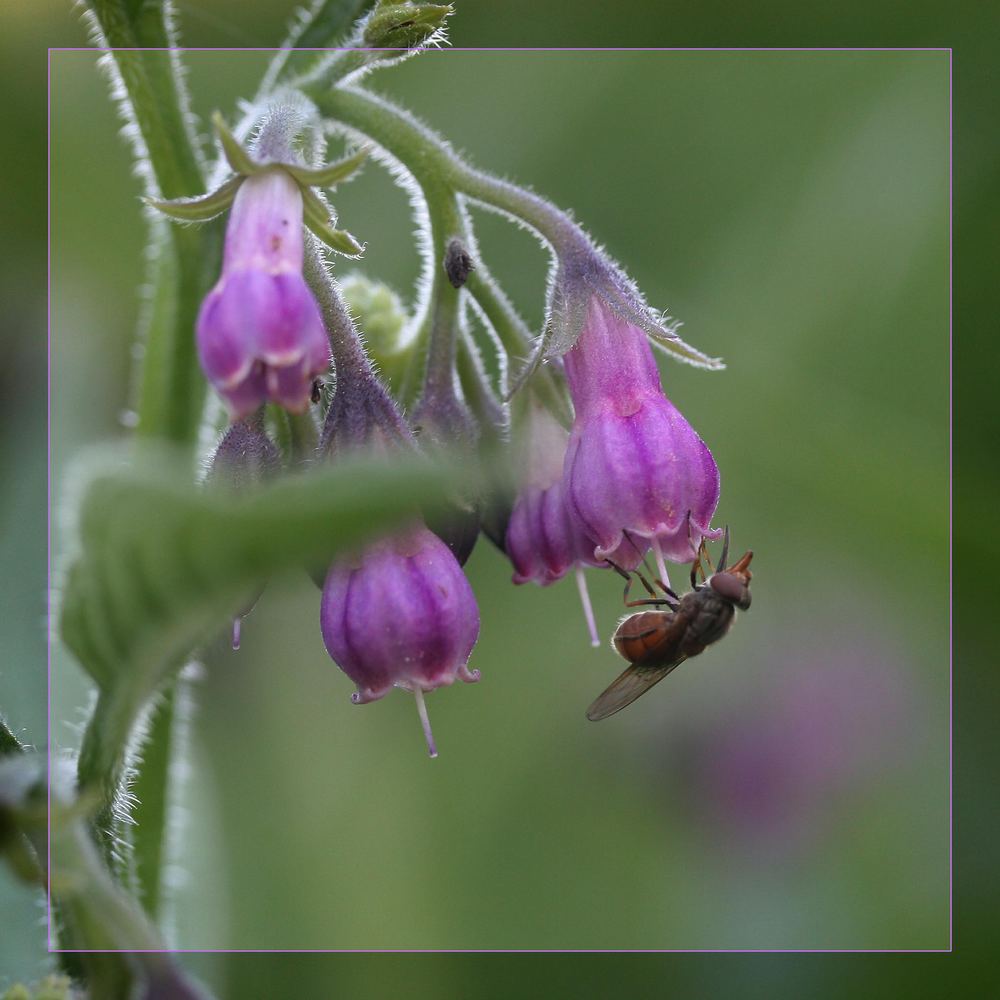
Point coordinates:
[[316, 212]]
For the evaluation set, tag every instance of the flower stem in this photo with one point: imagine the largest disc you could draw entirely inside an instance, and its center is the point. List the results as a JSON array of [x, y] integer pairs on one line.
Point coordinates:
[[151, 790], [434, 164], [326, 23], [102, 764], [442, 175], [171, 387], [441, 318]]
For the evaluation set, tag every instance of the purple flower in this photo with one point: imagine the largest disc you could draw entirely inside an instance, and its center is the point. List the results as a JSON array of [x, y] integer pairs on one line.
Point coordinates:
[[402, 614], [543, 541], [636, 473], [260, 335]]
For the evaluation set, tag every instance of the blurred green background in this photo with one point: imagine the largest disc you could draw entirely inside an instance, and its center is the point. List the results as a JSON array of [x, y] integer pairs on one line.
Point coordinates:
[[792, 209]]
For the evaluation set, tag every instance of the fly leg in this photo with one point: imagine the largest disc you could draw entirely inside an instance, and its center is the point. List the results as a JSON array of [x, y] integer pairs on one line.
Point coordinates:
[[665, 587], [671, 600]]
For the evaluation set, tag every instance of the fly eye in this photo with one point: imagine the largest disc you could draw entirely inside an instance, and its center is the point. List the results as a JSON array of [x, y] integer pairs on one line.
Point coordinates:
[[731, 588]]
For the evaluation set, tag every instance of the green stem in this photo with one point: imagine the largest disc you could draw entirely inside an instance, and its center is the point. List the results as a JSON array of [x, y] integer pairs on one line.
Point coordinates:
[[485, 406], [171, 387], [440, 174], [102, 764], [123, 948], [439, 325], [152, 805], [155, 91], [433, 163], [515, 338], [326, 24]]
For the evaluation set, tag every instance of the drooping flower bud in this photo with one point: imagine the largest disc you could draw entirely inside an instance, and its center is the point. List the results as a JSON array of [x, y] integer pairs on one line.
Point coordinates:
[[402, 614], [260, 335], [245, 458], [544, 542], [636, 473], [404, 26]]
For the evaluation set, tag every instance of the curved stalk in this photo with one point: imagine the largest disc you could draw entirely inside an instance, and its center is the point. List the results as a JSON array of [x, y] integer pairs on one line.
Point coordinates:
[[441, 174], [325, 24], [434, 164]]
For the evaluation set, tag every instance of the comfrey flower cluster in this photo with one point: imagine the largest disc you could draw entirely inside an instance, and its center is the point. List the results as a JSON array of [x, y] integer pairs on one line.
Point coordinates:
[[605, 468]]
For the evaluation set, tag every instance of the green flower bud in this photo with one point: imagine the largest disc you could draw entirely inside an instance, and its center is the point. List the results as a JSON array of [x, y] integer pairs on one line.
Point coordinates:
[[405, 25], [382, 319]]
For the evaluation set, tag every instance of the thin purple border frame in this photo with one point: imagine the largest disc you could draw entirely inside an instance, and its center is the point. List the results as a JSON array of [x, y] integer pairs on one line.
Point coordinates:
[[527, 951]]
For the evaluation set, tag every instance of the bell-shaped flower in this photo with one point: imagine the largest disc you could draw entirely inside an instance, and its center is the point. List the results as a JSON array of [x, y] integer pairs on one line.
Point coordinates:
[[401, 614], [543, 541], [636, 473], [260, 334]]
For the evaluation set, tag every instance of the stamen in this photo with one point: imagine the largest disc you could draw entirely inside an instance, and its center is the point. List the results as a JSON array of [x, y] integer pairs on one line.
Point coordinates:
[[424, 721], [588, 610], [661, 566], [237, 625]]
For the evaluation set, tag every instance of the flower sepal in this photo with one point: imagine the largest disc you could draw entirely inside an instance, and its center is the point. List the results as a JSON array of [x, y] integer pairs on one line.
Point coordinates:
[[201, 208], [332, 174], [317, 218], [316, 213]]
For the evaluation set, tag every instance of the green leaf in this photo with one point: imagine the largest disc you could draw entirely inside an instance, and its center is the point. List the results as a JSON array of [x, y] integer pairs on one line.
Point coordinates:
[[162, 565]]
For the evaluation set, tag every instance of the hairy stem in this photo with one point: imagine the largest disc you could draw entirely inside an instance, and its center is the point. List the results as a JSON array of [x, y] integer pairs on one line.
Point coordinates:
[[432, 161], [171, 388], [325, 23], [440, 173], [152, 802], [101, 767], [439, 324]]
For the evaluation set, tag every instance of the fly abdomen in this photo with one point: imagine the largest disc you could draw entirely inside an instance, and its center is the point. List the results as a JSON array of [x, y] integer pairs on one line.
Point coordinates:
[[643, 636]]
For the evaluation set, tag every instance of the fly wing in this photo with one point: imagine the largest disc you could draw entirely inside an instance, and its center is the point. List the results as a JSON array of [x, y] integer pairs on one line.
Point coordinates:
[[630, 684]]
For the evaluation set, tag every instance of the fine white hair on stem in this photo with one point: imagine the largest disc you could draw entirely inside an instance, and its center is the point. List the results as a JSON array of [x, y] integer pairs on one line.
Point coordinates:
[[469, 305], [142, 165], [179, 772], [405, 180]]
